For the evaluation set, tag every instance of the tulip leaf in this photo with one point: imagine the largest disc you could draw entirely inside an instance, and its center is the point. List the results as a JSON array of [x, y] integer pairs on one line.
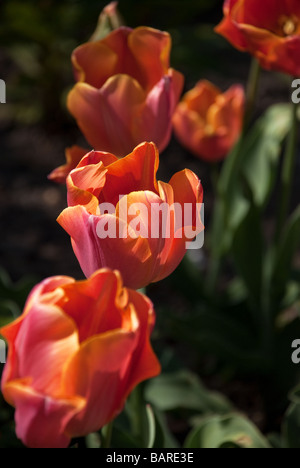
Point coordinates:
[[248, 253], [163, 436], [227, 431], [184, 390], [262, 150], [121, 439], [109, 20], [93, 441], [249, 174], [151, 427]]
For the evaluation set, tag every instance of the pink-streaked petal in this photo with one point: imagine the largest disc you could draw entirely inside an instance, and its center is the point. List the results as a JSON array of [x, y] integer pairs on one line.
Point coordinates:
[[112, 252], [41, 420], [98, 372]]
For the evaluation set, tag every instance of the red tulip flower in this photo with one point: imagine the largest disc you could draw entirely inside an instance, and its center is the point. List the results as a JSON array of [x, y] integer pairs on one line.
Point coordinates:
[[268, 29], [209, 122], [74, 356], [120, 217], [126, 92]]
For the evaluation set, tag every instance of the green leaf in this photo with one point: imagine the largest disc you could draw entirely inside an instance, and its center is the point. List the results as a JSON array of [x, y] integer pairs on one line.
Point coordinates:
[[93, 441], [248, 254], [109, 20], [151, 427], [262, 151], [249, 174], [228, 431], [163, 437], [184, 390], [122, 439]]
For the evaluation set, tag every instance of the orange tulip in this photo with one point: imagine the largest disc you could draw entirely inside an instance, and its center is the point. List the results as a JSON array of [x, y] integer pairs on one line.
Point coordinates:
[[120, 217], [268, 29], [74, 356], [208, 122], [126, 91]]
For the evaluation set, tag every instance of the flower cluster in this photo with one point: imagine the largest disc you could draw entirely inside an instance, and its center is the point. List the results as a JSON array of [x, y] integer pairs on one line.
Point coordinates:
[[80, 348]]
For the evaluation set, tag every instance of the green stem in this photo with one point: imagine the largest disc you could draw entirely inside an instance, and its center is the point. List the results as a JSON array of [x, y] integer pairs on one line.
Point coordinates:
[[251, 92], [107, 435], [137, 403], [227, 178], [287, 175]]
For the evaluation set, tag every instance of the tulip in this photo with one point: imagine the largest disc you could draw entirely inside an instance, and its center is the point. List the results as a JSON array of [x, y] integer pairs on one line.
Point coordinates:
[[74, 356], [120, 217], [126, 91], [209, 123], [268, 29]]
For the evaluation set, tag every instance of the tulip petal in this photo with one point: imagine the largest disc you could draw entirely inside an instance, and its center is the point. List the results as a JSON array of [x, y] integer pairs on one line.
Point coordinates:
[[229, 29], [272, 51], [135, 172], [187, 187], [147, 364], [41, 420], [200, 98], [156, 118], [100, 113], [184, 188], [94, 63], [142, 212], [88, 303], [189, 129], [96, 157], [116, 253], [56, 339], [99, 373], [151, 50], [84, 186], [45, 291]]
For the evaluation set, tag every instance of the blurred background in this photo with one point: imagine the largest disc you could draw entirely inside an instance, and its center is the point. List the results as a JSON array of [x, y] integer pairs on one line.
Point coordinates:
[[37, 38]]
